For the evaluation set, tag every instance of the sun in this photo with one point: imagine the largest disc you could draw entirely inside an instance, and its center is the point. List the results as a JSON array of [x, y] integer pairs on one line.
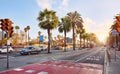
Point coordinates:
[[102, 37]]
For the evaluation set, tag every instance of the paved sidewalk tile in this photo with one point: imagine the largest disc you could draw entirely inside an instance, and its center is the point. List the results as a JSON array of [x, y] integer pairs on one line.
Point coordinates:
[[114, 66]]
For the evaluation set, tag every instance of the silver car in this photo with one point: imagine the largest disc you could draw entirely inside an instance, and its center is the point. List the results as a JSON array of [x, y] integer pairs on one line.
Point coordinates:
[[29, 50]]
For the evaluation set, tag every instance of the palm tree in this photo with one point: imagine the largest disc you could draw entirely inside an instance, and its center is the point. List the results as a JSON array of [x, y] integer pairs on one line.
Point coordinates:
[[17, 28], [39, 33], [25, 29], [22, 36], [87, 39], [75, 17], [48, 21], [84, 39], [45, 37], [58, 36], [65, 27], [80, 32], [28, 28]]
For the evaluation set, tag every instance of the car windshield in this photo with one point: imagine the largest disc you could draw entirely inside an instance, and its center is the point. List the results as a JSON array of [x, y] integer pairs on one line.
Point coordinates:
[[29, 48], [41, 46], [5, 47]]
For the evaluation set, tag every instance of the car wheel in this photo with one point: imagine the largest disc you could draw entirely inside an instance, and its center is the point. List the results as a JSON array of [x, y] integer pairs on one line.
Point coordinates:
[[10, 51], [0, 52], [39, 51], [29, 53], [21, 54]]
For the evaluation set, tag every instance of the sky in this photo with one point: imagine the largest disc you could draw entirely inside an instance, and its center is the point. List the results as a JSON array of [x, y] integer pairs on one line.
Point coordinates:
[[98, 15]]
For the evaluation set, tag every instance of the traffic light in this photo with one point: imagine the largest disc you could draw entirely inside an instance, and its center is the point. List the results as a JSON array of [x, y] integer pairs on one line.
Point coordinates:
[[6, 25], [9, 27], [10, 31], [118, 18], [2, 23], [117, 23]]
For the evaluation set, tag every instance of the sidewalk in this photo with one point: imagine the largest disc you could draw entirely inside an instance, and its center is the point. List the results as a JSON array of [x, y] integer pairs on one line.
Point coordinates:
[[113, 67]]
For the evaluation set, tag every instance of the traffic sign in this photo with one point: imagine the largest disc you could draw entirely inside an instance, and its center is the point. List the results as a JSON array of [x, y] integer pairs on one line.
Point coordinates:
[[41, 38], [114, 32]]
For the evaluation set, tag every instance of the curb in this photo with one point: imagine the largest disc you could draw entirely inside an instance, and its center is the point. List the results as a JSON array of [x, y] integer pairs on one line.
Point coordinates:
[[105, 63]]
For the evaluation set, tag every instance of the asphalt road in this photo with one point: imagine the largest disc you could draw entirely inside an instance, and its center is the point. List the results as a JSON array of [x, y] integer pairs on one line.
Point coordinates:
[[92, 56]]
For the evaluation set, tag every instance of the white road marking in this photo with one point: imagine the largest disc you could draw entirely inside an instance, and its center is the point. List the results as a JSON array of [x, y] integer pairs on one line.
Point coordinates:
[[30, 71], [71, 67], [96, 58], [60, 66], [42, 72], [65, 66], [89, 55], [18, 69], [54, 65]]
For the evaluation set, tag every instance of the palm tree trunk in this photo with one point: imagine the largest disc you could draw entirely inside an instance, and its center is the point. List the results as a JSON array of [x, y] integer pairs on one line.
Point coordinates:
[[65, 41], [80, 41], [48, 40], [22, 39], [28, 37], [2, 38], [87, 43], [73, 37], [84, 42], [17, 37]]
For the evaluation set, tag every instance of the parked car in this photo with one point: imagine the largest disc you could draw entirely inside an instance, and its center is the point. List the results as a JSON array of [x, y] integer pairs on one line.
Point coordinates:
[[4, 49], [29, 50], [57, 48], [43, 48]]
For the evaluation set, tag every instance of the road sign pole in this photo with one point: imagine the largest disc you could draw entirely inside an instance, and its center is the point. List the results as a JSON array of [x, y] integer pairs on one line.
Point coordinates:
[[7, 51], [116, 45], [115, 33], [39, 40]]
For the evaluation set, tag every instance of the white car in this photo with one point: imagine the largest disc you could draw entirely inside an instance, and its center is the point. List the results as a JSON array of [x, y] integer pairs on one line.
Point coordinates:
[[4, 49], [43, 48]]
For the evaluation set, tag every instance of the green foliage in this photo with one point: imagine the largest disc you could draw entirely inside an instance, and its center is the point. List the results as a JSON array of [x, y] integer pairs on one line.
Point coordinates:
[[76, 20], [75, 17], [64, 25], [48, 19], [17, 27], [28, 28]]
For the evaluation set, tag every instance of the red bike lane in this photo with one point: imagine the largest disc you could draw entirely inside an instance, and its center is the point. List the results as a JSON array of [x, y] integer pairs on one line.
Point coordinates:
[[57, 67]]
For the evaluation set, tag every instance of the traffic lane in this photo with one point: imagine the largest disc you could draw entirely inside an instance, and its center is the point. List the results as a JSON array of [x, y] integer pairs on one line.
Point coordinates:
[[13, 54], [81, 55], [97, 58], [17, 54]]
